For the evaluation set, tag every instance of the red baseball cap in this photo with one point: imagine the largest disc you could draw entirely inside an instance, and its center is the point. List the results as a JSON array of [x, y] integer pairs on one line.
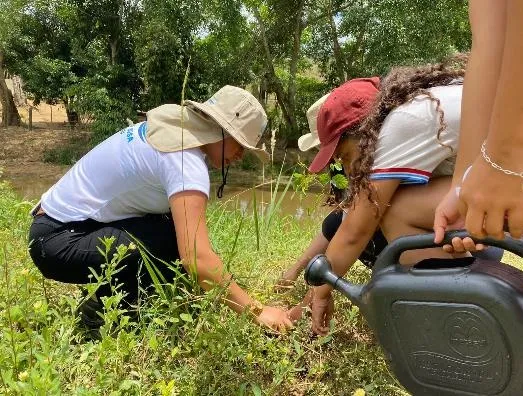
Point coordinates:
[[345, 107]]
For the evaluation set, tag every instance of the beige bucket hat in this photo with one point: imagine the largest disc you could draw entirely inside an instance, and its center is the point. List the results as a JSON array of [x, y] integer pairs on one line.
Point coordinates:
[[310, 140], [172, 127], [239, 113]]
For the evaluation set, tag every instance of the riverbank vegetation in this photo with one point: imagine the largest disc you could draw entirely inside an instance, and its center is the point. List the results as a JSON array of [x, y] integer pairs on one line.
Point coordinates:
[[184, 342]]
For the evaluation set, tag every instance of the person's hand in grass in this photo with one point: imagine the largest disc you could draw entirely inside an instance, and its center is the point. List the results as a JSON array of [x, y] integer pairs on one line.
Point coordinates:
[[297, 312], [322, 310], [274, 318]]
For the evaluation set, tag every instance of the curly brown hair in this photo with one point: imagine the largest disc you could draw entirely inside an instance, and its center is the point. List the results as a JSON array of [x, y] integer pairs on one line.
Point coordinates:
[[401, 85]]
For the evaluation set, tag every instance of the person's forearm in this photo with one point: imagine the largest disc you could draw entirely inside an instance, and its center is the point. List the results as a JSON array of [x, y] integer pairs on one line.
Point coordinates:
[[343, 251], [358, 227], [487, 20], [505, 139], [317, 246], [345, 248], [237, 299], [211, 273]]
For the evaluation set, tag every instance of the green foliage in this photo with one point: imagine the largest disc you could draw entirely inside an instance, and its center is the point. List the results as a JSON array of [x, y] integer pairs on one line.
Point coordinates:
[[58, 77], [288, 53], [164, 50], [377, 35], [69, 153], [337, 178], [249, 162], [340, 182], [105, 110], [304, 181], [184, 342], [68, 50], [310, 89], [226, 53]]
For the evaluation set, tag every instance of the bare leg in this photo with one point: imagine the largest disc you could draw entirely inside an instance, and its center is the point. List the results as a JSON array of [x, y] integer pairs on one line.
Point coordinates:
[[412, 212]]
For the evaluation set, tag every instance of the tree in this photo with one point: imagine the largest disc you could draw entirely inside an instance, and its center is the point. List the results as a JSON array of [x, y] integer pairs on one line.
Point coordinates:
[[69, 49], [165, 49], [106, 58], [103, 54], [371, 37], [282, 27], [225, 47], [10, 11]]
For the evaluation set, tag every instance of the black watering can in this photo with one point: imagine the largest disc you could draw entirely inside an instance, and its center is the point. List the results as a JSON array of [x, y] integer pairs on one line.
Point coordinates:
[[447, 326]]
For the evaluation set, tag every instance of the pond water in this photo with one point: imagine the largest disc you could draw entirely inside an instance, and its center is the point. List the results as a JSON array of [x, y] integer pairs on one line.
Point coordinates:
[[241, 197]]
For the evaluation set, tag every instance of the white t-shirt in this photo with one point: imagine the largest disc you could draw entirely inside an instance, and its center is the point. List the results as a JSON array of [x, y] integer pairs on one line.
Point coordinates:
[[125, 177], [408, 147]]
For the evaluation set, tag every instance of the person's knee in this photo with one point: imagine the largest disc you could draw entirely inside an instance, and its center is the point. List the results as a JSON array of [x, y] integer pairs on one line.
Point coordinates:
[[391, 221]]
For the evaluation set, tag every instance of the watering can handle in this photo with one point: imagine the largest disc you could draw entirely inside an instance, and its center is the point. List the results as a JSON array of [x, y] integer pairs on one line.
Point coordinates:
[[391, 254]]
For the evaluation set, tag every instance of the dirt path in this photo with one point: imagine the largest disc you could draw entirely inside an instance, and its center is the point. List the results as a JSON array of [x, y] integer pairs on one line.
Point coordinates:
[[22, 157]]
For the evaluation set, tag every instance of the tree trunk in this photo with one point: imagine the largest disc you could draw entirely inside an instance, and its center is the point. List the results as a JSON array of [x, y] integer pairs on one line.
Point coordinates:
[[338, 55], [351, 59], [72, 116], [352, 56], [276, 83], [293, 69], [114, 51], [10, 115], [18, 91], [116, 33], [262, 97]]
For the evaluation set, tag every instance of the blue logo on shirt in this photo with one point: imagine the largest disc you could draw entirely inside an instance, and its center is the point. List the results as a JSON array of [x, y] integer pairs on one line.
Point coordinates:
[[129, 131], [129, 134], [141, 130]]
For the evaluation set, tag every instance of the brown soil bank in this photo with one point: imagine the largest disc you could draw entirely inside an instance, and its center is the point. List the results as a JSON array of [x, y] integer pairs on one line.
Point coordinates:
[[22, 156]]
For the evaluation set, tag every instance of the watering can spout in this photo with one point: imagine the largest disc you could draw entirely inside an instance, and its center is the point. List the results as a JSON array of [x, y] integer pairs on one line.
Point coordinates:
[[318, 272]]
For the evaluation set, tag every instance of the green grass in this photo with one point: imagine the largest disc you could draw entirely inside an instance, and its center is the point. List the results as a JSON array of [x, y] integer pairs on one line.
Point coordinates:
[[185, 343], [68, 153]]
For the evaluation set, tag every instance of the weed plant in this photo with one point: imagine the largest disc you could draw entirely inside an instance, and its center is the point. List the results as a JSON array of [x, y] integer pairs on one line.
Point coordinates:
[[183, 342]]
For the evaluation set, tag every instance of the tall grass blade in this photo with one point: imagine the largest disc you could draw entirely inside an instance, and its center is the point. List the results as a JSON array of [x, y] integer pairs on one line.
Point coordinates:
[[256, 222], [275, 204], [233, 250], [155, 274]]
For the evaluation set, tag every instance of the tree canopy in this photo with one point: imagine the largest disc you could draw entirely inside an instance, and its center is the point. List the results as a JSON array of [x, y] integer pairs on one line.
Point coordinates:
[[105, 59]]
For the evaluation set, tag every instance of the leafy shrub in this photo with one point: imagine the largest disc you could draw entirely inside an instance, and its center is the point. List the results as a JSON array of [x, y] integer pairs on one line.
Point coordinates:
[[309, 90], [104, 108], [69, 153]]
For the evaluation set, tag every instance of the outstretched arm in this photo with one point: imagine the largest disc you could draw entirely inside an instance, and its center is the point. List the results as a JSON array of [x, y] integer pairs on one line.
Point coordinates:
[[188, 211], [317, 246], [349, 241]]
